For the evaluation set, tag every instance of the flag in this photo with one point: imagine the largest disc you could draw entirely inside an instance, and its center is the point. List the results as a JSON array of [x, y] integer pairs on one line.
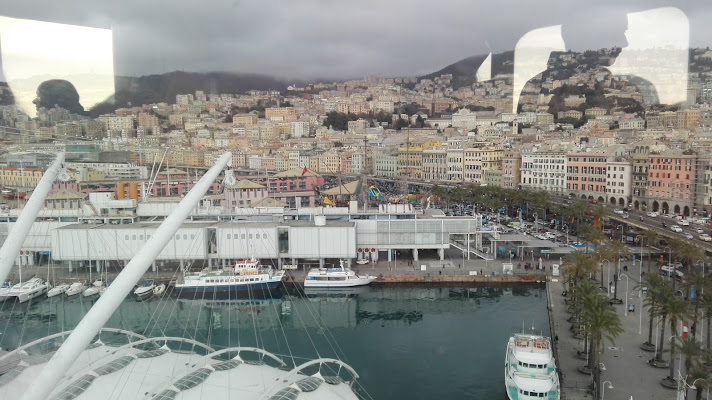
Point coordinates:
[[304, 171]]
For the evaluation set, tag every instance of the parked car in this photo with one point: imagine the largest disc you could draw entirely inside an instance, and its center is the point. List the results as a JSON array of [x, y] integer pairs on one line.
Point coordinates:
[[700, 230], [676, 228], [684, 222], [705, 237], [688, 235]]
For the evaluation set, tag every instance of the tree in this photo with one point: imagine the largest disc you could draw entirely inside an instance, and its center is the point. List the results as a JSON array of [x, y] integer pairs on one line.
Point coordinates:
[[649, 235], [689, 349], [661, 310], [676, 309], [602, 323], [699, 378], [654, 284]]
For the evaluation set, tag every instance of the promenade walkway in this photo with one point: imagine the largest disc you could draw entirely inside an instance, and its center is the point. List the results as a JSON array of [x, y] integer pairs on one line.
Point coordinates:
[[625, 363]]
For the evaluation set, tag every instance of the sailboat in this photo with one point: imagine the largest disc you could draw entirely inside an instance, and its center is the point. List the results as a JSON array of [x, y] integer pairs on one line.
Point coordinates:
[[58, 289], [95, 287]]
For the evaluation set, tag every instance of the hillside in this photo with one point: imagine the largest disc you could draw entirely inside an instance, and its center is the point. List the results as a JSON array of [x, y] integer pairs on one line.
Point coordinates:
[[464, 71]]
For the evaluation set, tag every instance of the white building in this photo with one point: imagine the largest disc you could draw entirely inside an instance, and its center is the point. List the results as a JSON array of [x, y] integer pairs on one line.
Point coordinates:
[[632, 123], [300, 129], [455, 164], [465, 119], [619, 177], [255, 162], [544, 170]]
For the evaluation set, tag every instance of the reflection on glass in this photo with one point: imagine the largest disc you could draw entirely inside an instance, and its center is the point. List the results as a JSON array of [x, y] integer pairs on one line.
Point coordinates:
[[531, 56], [34, 52], [657, 51]]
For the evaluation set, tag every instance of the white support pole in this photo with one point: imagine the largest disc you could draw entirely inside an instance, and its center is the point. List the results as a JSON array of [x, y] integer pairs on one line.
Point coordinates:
[[16, 237], [105, 306]]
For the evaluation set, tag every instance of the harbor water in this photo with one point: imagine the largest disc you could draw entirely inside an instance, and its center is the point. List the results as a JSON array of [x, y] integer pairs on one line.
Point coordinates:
[[404, 341]]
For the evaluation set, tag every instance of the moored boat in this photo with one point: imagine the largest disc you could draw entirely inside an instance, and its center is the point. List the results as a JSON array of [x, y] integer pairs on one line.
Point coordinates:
[[94, 289], [159, 290], [58, 290], [334, 278], [145, 288], [530, 369], [246, 275], [28, 290], [76, 288]]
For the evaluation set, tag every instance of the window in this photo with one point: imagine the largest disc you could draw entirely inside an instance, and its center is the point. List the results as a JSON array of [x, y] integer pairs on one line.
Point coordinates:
[[133, 237]]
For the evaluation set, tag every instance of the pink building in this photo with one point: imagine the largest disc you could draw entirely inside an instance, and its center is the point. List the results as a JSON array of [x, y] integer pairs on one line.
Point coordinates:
[[586, 175], [245, 194], [671, 182]]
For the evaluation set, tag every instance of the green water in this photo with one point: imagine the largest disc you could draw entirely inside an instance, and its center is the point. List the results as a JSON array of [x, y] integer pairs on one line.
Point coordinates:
[[405, 342]]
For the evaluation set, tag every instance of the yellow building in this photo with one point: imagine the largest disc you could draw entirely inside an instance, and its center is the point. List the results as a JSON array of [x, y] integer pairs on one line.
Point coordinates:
[[21, 178], [244, 119], [279, 111], [410, 157]]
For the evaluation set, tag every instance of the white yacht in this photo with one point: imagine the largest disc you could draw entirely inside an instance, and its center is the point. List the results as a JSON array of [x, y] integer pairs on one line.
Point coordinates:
[[335, 278], [530, 369], [58, 290], [94, 289], [76, 288], [145, 288], [28, 290]]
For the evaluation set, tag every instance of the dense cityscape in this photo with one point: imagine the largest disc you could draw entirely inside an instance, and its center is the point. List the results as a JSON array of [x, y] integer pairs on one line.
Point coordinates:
[[552, 187]]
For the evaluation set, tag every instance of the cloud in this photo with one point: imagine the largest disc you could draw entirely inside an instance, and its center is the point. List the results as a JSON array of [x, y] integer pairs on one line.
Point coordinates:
[[328, 39]]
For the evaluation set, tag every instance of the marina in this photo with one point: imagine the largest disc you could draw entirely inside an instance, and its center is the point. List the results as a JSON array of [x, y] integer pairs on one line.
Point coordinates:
[[392, 336]]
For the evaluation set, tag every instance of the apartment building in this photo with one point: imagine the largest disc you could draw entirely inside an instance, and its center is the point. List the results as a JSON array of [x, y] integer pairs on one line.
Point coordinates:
[[671, 182], [435, 164], [586, 175], [544, 170], [641, 163], [619, 176], [511, 169]]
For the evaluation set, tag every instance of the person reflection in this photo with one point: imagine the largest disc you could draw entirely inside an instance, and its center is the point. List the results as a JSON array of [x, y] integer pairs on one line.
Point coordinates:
[[654, 47], [58, 93]]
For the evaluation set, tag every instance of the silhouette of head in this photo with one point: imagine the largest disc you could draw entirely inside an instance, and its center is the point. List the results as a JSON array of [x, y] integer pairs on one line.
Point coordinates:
[[58, 93]]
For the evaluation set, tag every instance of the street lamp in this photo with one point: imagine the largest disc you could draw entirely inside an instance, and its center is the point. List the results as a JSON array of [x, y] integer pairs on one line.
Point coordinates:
[[565, 228], [626, 292], [608, 275], [603, 391]]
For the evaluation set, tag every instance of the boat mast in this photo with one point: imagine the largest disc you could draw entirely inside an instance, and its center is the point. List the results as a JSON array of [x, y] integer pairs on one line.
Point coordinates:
[[105, 306], [16, 237]]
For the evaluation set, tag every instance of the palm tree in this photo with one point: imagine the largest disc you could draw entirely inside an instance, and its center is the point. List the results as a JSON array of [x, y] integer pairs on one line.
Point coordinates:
[[677, 309], [660, 310], [700, 379], [654, 284], [577, 210], [577, 266], [581, 292], [649, 235], [687, 252], [689, 349], [602, 323]]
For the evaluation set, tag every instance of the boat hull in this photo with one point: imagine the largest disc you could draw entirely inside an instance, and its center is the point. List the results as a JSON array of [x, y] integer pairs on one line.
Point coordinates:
[[311, 283], [272, 284], [23, 297]]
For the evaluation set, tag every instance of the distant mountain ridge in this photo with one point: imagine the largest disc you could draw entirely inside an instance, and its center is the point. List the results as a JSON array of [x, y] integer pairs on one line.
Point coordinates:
[[464, 71], [164, 87]]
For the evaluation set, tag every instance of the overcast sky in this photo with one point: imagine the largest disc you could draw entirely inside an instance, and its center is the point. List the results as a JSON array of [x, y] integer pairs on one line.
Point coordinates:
[[334, 39]]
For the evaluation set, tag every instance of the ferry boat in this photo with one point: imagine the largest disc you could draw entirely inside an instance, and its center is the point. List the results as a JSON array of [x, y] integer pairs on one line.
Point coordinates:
[[246, 275], [530, 369], [335, 278]]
